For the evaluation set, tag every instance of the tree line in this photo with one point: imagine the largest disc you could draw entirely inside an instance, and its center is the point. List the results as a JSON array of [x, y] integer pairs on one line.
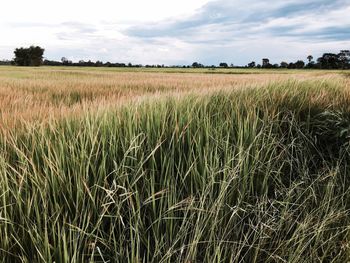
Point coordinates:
[[326, 61], [34, 56]]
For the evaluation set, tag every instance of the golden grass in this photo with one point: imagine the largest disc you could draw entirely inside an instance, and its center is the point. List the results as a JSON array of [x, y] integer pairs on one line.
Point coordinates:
[[38, 94]]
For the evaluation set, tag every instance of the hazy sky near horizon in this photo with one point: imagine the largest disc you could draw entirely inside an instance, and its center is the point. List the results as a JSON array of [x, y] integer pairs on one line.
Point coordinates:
[[176, 32]]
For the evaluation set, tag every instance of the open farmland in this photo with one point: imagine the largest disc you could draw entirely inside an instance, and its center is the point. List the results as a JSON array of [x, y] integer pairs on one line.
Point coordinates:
[[104, 165]]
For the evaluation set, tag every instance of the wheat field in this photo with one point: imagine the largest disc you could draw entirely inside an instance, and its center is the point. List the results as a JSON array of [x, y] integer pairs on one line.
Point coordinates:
[[103, 165]]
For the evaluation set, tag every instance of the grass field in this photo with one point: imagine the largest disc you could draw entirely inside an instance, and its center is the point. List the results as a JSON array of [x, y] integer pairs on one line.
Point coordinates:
[[37, 94], [109, 165]]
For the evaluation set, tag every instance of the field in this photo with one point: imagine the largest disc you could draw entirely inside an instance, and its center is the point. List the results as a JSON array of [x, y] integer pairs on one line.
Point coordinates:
[[38, 94], [174, 165]]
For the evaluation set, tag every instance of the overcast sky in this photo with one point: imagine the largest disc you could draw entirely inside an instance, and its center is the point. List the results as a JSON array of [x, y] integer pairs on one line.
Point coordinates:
[[176, 32]]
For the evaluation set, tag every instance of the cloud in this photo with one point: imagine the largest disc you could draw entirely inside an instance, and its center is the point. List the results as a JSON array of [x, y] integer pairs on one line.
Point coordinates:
[[71, 30], [235, 31], [233, 25]]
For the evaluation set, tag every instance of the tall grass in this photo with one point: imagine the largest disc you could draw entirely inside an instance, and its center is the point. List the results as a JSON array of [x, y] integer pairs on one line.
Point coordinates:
[[255, 175]]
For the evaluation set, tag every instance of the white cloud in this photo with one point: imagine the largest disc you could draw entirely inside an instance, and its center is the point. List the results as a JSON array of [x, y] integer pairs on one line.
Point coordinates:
[[44, 11], [64, 27], [175, 32]]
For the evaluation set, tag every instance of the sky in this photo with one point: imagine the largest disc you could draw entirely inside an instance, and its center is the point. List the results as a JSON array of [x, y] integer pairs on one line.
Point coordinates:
[[176, 32]]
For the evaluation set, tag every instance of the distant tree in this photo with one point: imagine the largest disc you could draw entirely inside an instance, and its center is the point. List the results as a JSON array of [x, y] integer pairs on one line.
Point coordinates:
[[251, 64], [32, 56], [284, 64], [5, 62], [266, 63], [197, 65], [90, 63], [310, 58], [344, 57], [36, 55], [311, 63], [99, 63], [330, 61], [299, 64], [51, 63], [223, 65], [22, 57], [291, 65]]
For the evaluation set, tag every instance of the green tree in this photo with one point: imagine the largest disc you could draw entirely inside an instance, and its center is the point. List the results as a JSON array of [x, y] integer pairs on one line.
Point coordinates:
[[21, 57], [299, 64], [251, 64], [344, 57], [310, 58], [197, 65], [330, 61], [32, 56], [284, 64]]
